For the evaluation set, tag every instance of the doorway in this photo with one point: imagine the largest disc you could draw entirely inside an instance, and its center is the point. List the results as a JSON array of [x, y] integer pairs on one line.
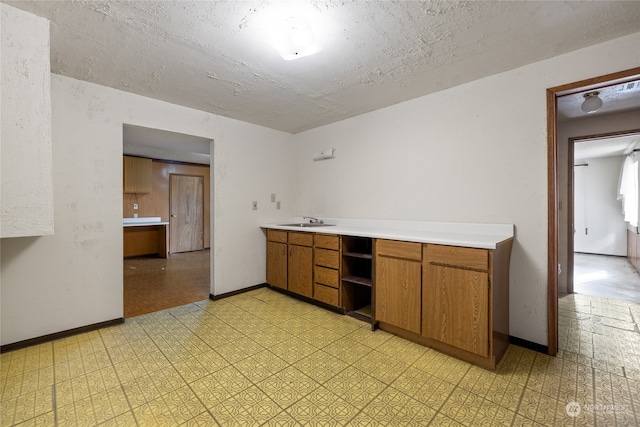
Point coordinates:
[[553, 172], [180, 185], [600, 221]]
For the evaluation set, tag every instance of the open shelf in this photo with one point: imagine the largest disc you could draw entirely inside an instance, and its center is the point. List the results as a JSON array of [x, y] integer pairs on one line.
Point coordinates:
[[357, 255], [365, 281], [357, 271], [363, 313], [354, 246]]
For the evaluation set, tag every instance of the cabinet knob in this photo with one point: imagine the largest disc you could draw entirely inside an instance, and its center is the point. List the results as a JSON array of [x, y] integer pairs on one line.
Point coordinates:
[[173, 215]]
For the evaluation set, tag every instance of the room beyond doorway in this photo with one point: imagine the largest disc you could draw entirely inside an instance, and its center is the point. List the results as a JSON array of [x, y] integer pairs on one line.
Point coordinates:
[[606, 276], [154, 284]]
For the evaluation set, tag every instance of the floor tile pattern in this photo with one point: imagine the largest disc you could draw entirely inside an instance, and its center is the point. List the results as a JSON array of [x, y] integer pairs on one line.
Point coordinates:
[[262, 358]]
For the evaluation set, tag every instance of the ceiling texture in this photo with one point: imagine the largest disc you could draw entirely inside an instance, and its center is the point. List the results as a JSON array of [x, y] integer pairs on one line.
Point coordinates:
[[215, 55]]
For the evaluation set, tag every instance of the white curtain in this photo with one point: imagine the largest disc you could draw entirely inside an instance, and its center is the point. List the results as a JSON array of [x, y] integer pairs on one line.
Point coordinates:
[[628, 189]]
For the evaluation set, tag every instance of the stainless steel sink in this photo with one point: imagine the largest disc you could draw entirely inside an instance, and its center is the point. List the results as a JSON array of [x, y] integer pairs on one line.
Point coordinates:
[[306, 224]]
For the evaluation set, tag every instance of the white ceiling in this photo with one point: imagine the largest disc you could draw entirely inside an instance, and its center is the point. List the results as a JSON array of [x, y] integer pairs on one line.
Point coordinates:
[[605, 147], [214, 55], [160, 144]]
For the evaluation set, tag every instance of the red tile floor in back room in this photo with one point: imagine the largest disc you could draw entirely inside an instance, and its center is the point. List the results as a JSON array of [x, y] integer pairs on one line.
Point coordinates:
[[154, 284]]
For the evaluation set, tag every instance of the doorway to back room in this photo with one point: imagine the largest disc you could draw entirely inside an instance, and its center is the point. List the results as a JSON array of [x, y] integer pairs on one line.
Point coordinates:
[[166, 220], [619, 91]]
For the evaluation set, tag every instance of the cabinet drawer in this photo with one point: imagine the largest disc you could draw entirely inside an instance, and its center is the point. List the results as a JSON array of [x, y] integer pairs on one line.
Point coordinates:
[[473, 258], [277, 236], [325, 294], [327, 241], [326, 276], [301, 239], [393, 248], [327, 258]]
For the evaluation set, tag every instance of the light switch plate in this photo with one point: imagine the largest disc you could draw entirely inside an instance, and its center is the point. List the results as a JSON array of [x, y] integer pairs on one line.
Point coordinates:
[[273, 197], [135, 206], [255, 206], [278, 204]]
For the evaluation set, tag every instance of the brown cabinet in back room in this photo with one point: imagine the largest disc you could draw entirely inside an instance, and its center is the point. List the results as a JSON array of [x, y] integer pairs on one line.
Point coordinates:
[[136, 175]]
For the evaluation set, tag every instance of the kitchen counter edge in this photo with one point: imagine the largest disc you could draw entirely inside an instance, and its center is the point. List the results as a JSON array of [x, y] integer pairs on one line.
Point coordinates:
[[449, 238]]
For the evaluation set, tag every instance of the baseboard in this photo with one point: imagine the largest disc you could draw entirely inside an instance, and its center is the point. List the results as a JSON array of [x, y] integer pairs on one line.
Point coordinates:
[[238, 292], [59, 335], [529, 344], [593, 253]]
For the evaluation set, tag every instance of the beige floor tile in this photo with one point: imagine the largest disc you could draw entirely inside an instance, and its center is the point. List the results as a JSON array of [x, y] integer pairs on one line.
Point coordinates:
[[286, 363]]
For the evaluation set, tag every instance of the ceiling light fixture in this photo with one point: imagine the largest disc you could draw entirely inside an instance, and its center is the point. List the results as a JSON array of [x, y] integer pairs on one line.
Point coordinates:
[[296, 40], [592, 102]]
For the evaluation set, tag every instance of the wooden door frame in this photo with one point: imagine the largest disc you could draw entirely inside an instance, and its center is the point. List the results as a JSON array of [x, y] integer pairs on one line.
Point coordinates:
[[552, 182], [203, 209]]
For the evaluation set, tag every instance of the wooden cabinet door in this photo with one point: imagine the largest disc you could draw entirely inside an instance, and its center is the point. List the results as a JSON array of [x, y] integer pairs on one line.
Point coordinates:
[[300, 269], [398, 292], [456, 307], [277, 264], [136, 173]]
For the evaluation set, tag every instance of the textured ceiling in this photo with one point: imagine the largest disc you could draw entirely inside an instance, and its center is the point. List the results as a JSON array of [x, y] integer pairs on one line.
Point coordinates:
[[616, 98], [214, 55]]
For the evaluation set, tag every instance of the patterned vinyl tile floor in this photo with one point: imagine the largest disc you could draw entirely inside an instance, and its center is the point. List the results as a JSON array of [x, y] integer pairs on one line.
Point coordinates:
[[262, 358]]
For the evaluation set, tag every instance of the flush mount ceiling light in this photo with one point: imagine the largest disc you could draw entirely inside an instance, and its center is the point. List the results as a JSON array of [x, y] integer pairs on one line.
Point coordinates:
[[592, 102], [295, 39]]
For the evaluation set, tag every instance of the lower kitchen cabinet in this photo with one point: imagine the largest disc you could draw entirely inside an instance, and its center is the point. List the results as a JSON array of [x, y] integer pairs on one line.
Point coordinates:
[[300, 264], [398, 287], [277, 264], [465, 301], [326, 269], [456, 307], [277, 258], [454, 299]]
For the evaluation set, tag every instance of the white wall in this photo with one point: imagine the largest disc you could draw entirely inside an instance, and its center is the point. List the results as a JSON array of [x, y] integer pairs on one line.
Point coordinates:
[[74, 278], [26, 199], [597, 208], [572, 129], [473, 153]]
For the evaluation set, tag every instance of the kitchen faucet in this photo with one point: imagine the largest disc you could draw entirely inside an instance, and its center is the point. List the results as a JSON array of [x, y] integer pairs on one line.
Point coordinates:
[[313, 220]]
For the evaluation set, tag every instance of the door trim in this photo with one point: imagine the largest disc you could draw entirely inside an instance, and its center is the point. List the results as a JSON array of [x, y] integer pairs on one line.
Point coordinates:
[[552, 184]]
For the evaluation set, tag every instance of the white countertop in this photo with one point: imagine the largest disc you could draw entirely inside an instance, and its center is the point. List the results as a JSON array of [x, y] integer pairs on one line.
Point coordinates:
[[485, 236], [143, 221]]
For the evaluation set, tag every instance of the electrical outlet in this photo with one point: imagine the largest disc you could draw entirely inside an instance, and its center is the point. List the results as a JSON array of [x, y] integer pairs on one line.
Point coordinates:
[[273, 197], [135, 215], [135, 206], [255, 206], [278, 204]]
